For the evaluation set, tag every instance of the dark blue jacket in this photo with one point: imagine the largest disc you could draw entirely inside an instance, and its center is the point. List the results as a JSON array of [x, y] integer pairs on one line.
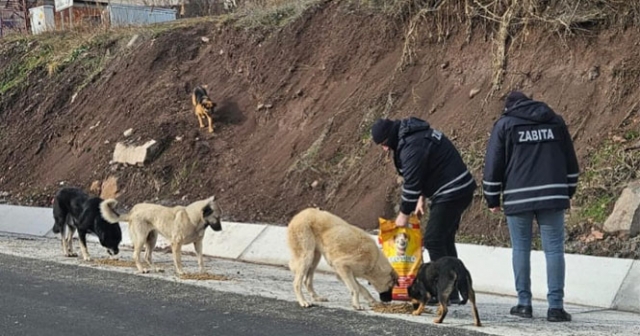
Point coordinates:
[[430, 165], [530, 160]]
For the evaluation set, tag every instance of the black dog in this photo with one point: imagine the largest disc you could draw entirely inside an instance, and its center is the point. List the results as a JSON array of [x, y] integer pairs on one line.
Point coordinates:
[[75, 210], [439, 279]]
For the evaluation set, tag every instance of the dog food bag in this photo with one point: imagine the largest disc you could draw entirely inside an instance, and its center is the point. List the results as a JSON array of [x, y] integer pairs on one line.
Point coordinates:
[[403, 247]]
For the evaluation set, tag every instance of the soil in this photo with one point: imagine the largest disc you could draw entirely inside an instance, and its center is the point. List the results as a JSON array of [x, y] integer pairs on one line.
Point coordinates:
[[294, 107]]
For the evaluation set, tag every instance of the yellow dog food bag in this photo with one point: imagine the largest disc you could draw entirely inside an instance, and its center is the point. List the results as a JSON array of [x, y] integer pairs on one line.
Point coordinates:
[[403, 247]]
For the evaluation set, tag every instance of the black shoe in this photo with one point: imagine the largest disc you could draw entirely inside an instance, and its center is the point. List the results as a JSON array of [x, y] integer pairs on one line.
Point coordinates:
[[558, 315], [522, 311]]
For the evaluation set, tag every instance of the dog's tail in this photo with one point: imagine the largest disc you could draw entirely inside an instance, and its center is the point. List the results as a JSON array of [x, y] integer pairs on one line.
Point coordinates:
[[59, 216], [301, 240], [110, 215], [464, 284]]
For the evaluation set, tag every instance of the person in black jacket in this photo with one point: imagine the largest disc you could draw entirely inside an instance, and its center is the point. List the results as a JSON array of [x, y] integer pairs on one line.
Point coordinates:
[[431, 167], [531, 162]]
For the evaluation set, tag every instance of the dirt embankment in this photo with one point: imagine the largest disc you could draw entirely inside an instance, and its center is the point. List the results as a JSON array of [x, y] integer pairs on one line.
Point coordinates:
[[295, 105]]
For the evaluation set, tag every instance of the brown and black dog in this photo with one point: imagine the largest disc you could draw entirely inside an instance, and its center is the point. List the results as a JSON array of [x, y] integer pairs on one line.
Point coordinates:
[[203, 105], [439, 279]]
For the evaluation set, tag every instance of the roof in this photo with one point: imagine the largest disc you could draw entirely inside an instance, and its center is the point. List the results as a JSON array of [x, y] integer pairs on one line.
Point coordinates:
[[147, 3]]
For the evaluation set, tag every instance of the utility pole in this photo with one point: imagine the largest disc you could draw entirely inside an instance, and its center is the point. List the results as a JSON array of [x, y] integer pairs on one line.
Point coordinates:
[[26, 16]]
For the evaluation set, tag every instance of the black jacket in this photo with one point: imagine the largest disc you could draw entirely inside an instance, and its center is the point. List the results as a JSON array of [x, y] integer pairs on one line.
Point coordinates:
[[530, 160], [430, 165]]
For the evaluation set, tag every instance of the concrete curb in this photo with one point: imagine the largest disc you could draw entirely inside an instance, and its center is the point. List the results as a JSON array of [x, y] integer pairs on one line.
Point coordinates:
[[628, 296], [26, 220], [592, 281]]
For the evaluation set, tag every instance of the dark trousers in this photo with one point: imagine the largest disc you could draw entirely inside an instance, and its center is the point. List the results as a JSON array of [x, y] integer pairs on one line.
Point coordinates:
[[444, 221], [440, 234]]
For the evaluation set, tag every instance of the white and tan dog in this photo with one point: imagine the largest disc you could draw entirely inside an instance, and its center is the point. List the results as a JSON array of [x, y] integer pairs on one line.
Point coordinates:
[[349, 250], [180, 225]]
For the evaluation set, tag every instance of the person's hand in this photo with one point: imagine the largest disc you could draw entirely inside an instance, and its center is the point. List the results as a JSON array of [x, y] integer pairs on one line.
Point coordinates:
[[420, 207], [496, 209], [402, 220]]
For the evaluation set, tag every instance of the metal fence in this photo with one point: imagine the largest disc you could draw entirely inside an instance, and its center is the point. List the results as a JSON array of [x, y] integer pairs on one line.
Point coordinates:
[[127, 15]]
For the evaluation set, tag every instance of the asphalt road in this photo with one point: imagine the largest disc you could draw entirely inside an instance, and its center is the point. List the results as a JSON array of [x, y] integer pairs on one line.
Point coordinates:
[[41, 298]]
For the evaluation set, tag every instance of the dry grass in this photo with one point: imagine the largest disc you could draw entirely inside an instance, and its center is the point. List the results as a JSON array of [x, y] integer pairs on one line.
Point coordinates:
[[607, 171], [204, 276], [396, 308], [501, 21], [308, 159], [271, 13]]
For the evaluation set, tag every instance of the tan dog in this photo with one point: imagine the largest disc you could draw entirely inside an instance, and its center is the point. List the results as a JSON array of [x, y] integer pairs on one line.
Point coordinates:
[[180, 225], [349, 250], [203, 105]]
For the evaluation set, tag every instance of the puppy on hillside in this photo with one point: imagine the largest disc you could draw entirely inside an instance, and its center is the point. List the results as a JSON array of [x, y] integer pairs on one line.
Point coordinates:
[[439, 279], [180, 225], [74, 210], [203, 105], [349, 250]]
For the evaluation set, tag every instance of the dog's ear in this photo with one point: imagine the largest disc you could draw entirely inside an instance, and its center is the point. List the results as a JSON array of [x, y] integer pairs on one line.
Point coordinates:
[[417, 289], [207, 211]]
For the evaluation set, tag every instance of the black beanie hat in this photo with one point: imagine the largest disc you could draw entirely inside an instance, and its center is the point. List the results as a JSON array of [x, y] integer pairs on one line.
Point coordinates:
[[513, 98], [381, 129]]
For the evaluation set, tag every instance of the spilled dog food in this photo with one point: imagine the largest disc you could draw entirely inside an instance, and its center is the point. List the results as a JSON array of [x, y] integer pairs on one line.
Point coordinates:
[[203, 276], [396, 308], [115, 262]]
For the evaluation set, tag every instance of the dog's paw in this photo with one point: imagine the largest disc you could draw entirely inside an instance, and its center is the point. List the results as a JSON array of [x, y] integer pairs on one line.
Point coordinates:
[[358, 307], [143, 271], [71, 254], [320, 299], [305, 304], [416, 313], [437, 321], [159, 270], [87, 258]]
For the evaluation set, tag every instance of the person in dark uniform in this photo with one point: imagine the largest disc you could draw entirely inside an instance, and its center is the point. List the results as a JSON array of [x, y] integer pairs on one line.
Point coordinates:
[[531, 163], [432, 168]]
